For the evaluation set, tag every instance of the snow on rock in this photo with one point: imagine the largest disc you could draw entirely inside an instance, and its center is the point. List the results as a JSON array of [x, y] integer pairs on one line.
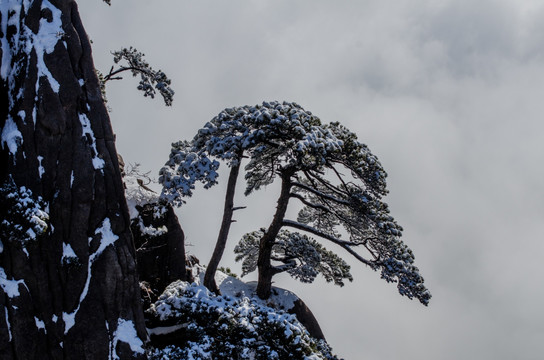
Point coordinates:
[[162, 330], [69, 320], [41, 170], [150, 230], [44, 43], [39, 324], [126, 332], [11, 136], [107, 238], [236, 324], [10, 287], [231, 286], [87, 132], [137, 195], [8, 323], [68, 254], [24, 40]]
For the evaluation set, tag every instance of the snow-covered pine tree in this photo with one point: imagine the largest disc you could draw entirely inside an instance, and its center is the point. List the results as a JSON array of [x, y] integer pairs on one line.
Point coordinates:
[[151, 80], [68, 281], [282, 140]]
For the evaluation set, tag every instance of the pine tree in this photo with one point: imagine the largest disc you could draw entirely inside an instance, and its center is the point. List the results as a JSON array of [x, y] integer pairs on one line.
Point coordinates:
[[282, 140]]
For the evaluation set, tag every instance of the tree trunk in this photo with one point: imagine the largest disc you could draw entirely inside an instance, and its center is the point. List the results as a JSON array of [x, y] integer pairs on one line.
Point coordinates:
[[73, 292], [209, 276], [264, 265]]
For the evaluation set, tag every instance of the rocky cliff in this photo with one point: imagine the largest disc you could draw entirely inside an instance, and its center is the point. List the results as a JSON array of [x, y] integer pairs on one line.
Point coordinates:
[[68, 286]]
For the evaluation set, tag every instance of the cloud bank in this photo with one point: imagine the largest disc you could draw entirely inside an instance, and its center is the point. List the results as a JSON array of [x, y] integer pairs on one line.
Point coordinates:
[[446, 93]]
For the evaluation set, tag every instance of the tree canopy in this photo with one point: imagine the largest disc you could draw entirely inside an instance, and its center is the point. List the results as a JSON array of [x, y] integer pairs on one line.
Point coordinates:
[[284, 140]]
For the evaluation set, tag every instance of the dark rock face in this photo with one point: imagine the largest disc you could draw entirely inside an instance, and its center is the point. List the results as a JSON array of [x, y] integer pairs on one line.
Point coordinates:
[[160, 250], [307, 318], [71, 291]]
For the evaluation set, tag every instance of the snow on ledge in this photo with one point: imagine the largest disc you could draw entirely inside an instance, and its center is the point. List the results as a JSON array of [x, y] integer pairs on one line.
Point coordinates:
[[126, 332]]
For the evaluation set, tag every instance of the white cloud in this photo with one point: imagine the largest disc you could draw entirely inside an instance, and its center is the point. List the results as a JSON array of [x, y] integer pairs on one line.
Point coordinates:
[[447, 94]]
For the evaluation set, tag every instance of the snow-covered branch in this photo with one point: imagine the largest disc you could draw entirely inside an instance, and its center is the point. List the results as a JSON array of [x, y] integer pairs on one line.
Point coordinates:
[[320, 194], [346, 245], [151, 80], [307, 203]]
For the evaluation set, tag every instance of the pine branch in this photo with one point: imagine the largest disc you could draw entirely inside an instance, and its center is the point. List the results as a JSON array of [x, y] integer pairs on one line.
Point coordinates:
[[346, 245], [320, 194], [325, 183], [312, 205]]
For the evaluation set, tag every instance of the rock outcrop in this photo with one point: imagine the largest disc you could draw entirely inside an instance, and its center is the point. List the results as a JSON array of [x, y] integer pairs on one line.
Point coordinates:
[[160, 252], [307, 318], [68, 287]]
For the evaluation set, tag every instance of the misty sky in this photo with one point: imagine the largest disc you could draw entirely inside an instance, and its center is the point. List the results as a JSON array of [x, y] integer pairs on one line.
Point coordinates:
[[447, 94]]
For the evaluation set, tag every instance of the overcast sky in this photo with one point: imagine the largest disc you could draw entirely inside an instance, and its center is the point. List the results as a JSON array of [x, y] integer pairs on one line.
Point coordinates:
[[447, 94]]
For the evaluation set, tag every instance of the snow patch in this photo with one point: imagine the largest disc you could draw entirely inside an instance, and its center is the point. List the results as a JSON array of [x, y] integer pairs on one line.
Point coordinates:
[[44, 42], [11, 136], [25, 40], [41, 170], [69, 320], [137, 195], [163, 330], [87, 132], [237, 309], [40, 324], [126, 332], [22, 115], [107, 238], [150, 230], [7, 322], [228, 285], [10, 287], [11, 12], [68, 254]]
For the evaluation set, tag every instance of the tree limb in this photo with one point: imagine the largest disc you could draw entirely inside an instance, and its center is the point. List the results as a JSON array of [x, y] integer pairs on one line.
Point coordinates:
[[120, 70], [346, 245], [320, 194], [307, 203], [338, 175], [332, 188]]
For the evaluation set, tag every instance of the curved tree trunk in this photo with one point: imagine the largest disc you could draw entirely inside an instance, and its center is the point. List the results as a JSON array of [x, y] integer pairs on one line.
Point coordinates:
[[264, 265], [209, 276], [73, 292]]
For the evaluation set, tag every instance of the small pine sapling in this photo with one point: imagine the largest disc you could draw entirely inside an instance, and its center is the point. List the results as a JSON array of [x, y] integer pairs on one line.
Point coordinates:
[[151, 81]]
